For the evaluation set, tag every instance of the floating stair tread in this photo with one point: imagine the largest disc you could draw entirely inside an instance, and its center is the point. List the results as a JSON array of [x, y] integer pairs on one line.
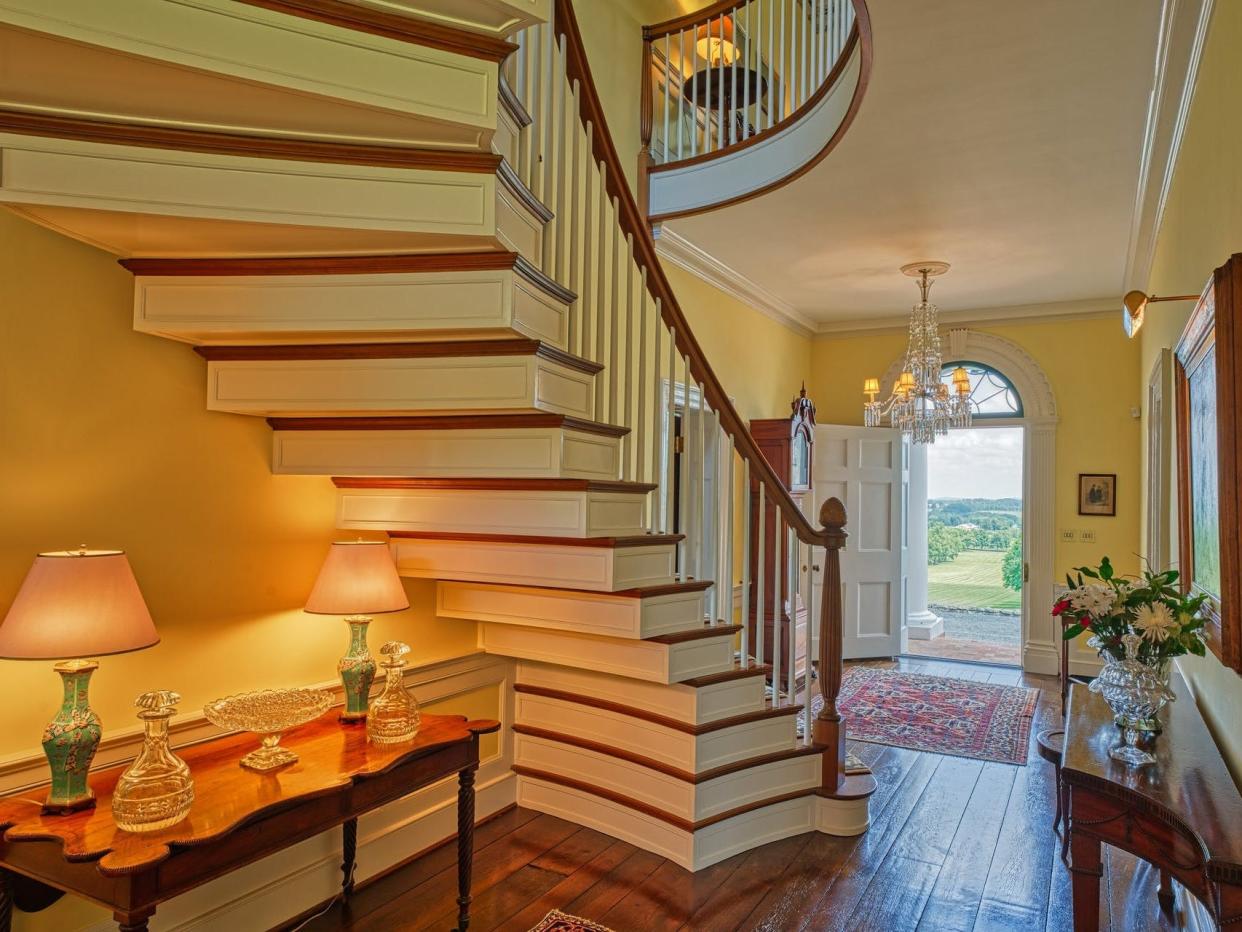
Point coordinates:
[[610, 543], [653, 811], [428, 350], [677, 773], [477, 261], [707, 631], [450, 422], [181, 139], [654, 717], [489, 485], [738, 673], [393, 26]]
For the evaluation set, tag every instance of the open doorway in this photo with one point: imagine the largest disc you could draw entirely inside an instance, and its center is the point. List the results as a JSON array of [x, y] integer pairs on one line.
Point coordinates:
[[975, 564]]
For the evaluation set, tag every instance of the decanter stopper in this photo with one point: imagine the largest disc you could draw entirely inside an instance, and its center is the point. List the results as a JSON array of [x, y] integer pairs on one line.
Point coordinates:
[[156, 790], [393, 716]]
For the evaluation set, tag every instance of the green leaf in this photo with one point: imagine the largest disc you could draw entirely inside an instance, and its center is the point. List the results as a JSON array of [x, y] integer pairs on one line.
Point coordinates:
[[1087, 571], [1073, 631], [1106, 569], [1171, 576], [1196, 647]]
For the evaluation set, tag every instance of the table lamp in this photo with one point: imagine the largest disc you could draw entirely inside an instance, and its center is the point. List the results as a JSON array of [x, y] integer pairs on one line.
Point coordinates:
[[358, 579], [75, 603]]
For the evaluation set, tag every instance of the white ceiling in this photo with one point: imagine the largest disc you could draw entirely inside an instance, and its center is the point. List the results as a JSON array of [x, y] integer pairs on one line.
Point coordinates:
[[1002, 136]]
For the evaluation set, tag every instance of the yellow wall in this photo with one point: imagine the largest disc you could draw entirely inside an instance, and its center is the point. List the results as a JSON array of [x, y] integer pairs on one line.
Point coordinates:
[[107, 441], [1093, 371], [1201, 228]]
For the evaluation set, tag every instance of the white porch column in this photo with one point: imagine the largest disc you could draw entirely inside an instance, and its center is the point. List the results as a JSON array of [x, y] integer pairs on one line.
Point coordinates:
[[923, 625]]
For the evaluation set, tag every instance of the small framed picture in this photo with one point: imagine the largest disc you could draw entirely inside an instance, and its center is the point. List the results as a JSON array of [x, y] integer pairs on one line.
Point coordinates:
[[1097, 494]]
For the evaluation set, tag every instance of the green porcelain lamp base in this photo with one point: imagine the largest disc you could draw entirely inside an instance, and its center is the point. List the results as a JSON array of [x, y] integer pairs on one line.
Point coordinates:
[[357, 669], [71, 740]]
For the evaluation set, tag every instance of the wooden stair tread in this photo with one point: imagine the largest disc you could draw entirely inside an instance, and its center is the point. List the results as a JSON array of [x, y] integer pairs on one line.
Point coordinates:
[[739, 672], [437, 349], [474, 261], [517, 485], [639, 592], [450, 422], [695, 634], [614, 543], [654, 717], [654, 811], [676, 772]]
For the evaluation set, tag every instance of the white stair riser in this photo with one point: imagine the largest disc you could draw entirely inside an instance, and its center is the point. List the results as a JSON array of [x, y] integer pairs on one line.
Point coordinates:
[[256, 309], [130, 199], [508, 136], [691, 705], [561, 514], [398, 386], [599, 569], [214, 52], [691, 753], [567, 610], [678, 797], [502, 453], [691, 850], [642, 660]]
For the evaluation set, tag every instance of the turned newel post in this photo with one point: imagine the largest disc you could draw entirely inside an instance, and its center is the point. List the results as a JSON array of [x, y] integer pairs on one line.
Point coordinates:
[[829, 728]]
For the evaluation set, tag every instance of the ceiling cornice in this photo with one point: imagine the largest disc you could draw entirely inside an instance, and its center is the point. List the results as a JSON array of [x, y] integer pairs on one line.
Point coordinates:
[[1183, 31], [684, 254], [978, 317]]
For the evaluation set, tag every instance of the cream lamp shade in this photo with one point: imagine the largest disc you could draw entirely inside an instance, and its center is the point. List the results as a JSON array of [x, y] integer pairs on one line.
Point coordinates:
[[357, 578], [77, 603]]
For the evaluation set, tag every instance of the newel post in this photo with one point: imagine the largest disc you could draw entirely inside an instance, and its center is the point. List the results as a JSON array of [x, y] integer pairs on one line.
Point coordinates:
[[829, 728]]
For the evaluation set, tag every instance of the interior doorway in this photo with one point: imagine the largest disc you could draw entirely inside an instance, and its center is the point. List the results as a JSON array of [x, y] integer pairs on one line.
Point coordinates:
[[975, 564]]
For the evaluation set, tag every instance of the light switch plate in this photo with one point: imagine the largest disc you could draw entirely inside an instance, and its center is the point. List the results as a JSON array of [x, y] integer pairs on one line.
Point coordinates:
[[1086, 537], [1069, 536]]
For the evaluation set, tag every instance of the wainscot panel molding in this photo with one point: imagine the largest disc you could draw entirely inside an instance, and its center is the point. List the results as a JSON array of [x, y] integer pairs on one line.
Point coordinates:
[[518, 453], [267, 893], [490, 17]]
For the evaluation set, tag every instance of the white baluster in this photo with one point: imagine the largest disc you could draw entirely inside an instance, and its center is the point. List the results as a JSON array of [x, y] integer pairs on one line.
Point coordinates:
[[745, 563], [811, 608], [700, 500], [720, 72], [760, 571], [668, 82], [792, 549], [724, 577], [683, 502], [732, 133], [601, 265], [640, 422], [657, 361], [786, 67], [670, 422], [694, 118], [614, 314], [778, 629]]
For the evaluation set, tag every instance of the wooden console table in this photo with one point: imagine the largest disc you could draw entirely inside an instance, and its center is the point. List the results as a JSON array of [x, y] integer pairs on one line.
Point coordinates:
[[1182, 814], [238, 817]]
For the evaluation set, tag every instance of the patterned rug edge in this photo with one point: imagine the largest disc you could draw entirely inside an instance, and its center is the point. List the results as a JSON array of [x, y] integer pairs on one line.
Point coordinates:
[[557, 921]]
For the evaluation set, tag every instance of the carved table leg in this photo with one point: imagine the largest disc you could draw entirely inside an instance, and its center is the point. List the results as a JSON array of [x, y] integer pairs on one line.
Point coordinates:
[[133, 922], [1165, 895], [349, 860], [6, 901], [465, 845], [1086, 869]]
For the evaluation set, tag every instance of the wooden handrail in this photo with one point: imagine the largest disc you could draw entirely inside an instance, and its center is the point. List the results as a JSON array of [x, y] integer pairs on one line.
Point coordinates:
[[633, 224]]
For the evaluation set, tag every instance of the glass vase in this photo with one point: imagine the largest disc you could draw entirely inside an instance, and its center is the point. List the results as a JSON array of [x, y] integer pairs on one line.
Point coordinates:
[[1136, 692], [393, 716], [156, 790]]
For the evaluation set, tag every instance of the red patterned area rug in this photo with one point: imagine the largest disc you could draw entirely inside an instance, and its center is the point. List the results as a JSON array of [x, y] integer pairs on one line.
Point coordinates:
[[935, 713], [557, 921]]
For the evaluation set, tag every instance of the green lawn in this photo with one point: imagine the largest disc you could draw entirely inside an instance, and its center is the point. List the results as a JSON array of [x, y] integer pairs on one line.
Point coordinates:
[[971, 580]]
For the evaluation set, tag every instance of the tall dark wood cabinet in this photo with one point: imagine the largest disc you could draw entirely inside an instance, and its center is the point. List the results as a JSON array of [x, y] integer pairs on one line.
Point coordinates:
[[789, 444]]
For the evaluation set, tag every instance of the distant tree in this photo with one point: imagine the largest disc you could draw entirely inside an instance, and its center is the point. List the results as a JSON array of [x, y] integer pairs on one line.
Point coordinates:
[[1011, 566], [943, 544]]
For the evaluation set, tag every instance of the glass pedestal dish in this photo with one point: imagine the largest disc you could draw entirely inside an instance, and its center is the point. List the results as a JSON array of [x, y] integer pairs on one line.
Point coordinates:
[[268, 713]]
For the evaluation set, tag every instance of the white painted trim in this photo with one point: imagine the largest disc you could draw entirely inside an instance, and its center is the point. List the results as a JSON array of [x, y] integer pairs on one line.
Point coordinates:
[[1088, 309], [498, 18], [671, 246], [1183, 33]]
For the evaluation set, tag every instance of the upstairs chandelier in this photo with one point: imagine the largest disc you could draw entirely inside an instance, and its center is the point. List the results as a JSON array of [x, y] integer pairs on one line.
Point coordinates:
[[921, 405]]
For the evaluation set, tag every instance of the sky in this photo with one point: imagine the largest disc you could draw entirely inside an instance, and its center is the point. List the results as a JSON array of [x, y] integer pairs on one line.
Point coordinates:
[[983, 462]]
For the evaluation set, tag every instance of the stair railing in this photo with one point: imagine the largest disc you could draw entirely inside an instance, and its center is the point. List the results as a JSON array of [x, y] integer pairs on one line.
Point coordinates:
[[685, 438], [737, 71]]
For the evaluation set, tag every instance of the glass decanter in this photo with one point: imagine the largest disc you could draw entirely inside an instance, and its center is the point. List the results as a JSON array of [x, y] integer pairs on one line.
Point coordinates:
[[1136, 693], [156, 790], [393, 716]]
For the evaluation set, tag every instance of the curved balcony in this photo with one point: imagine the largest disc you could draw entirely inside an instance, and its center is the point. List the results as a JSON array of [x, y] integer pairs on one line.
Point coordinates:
[[743, 97]]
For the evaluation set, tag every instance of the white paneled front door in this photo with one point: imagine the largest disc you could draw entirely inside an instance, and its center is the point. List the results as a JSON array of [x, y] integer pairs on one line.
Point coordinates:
[[868, 468]]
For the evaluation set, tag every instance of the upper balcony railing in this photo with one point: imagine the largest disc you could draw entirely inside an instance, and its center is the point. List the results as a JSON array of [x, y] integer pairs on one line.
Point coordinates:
[[738, 73]]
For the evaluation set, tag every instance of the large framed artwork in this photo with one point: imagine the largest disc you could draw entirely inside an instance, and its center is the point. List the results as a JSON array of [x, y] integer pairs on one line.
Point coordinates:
[[1209, 358]]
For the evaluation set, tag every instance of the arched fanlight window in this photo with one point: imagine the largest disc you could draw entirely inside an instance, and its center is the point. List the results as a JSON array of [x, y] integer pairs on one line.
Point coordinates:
[[991, 394]]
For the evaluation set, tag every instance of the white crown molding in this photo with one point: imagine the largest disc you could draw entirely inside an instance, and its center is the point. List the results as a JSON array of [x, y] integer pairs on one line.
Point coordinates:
[[675, 248], [1183, 32], [1041, 313]]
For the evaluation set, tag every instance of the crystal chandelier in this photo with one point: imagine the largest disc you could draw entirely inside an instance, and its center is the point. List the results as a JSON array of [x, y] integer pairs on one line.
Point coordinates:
[[921, 404]]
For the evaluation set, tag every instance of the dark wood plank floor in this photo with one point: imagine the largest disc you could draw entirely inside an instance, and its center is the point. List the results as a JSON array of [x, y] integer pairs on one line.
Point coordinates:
[[955, 844]]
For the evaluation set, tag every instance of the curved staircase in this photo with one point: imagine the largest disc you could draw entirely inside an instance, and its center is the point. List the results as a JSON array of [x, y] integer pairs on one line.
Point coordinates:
[[405, 242]]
